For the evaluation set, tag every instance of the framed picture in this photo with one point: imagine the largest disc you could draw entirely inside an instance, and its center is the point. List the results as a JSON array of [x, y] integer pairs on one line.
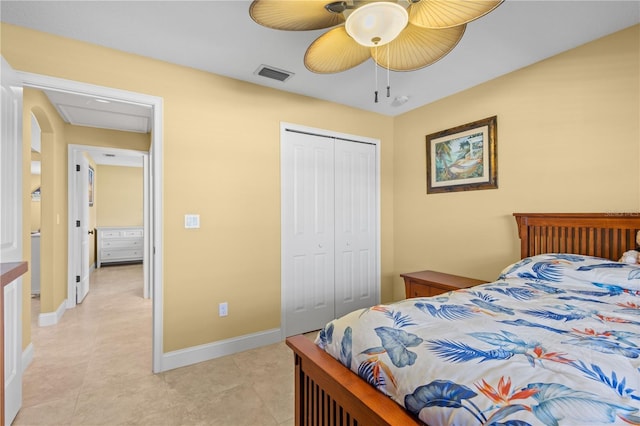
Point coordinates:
[[463, 158], [90, 186]]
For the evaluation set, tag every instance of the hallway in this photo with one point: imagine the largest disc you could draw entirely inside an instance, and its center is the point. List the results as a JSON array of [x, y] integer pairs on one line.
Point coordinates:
[[94, 368]]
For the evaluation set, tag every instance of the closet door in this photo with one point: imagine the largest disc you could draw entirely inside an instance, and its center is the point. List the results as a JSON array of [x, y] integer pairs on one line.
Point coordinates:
[[355, 227], [307, 231]]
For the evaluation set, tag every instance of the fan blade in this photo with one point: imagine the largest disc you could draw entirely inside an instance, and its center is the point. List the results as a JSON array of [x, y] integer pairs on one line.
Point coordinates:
[[294, 15], [417, 47], [335, 51], [448, 13]]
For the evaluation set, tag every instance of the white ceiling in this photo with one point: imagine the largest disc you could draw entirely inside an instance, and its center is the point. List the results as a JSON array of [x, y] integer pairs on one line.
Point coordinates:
[[220, 37], [115, 157], [104, 113]]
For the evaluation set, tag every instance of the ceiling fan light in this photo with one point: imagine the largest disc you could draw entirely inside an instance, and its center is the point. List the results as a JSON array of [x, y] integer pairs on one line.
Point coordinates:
[[376, 24]]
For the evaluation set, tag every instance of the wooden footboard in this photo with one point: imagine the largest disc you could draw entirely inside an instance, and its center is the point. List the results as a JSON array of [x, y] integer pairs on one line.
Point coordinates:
[[328, 393]]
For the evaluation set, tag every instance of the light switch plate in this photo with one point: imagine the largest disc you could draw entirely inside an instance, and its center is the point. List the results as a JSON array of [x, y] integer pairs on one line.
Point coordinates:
[[191, 221]]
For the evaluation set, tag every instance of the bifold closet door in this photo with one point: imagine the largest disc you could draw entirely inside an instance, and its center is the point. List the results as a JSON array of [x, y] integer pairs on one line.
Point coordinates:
[[307, 231], [355, 226], [329, 222]]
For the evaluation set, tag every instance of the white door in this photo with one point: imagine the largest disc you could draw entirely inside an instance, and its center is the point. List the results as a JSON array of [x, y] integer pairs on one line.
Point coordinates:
[[81, 226], [355, 226], [307, 232], [329, 229], [11, 234]]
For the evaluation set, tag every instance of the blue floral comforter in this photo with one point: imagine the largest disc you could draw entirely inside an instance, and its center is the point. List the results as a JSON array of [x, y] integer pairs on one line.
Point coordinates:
[[554, 341]]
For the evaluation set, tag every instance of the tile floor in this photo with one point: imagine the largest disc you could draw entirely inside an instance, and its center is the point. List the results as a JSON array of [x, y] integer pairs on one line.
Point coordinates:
[[94, 368]]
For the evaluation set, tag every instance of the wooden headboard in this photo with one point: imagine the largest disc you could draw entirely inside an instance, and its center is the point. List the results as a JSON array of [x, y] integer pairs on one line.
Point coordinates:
[[605, 235]]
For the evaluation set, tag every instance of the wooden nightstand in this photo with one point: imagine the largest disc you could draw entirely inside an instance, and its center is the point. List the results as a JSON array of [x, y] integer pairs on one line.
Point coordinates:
[[432, 283]]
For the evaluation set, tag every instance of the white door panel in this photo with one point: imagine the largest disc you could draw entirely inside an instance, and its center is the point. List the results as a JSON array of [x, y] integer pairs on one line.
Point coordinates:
[[11, 171], [11, 234], [355, 233], [307, 232], [13, 349]]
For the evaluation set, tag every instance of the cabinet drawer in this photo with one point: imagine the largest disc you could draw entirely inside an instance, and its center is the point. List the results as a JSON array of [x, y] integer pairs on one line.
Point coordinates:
[[121, 243], [119, 255], [432, 283], [419, 290], [133, 233], [111, 234], [122, 233]]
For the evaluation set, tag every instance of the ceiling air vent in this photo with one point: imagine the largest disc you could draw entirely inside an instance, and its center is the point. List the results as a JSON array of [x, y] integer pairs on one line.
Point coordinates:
[[273, 73]]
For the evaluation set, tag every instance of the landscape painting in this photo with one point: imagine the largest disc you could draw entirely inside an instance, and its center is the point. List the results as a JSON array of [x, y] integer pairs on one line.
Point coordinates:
[[462, 158]]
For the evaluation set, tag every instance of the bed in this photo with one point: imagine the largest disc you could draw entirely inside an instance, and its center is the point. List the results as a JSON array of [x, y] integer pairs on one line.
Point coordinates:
[[565, 351]]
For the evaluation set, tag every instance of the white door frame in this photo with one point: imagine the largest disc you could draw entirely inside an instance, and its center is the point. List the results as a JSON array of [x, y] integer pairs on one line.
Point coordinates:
[[73, 200], [154, 251], [331, 134]]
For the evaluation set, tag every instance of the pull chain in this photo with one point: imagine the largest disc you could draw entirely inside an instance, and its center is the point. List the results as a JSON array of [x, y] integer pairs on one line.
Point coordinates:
[[388, 78], [375, 65]]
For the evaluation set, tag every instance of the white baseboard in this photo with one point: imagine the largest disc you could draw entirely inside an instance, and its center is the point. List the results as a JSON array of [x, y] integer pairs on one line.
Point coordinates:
[[196, 354], [52, 318], [27, 357]]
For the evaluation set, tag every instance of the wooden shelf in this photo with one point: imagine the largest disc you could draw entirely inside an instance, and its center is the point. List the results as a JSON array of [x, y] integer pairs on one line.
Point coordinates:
[[12, 270]]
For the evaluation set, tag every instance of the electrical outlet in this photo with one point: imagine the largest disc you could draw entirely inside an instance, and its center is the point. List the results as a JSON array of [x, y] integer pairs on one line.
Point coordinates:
[[223, 309]]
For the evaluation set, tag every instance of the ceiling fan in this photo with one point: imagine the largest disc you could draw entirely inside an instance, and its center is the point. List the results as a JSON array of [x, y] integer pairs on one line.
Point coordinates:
[[400, 35]]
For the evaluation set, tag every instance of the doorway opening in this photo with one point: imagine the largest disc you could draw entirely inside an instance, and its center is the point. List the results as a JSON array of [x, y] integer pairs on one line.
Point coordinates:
[[105, 158], [152, 198]]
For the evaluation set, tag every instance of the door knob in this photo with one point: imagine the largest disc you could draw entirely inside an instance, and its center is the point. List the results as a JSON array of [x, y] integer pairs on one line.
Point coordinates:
[[90, 231]]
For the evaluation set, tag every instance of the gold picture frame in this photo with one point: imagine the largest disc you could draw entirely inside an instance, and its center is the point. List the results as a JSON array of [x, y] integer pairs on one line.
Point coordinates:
[[463, 158]]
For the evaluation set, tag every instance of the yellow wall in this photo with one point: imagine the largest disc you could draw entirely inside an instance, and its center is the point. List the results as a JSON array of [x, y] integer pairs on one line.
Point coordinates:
[[221, 160], [119, 196], [79, 135], [568, 141], [53, 207], [35, 205]]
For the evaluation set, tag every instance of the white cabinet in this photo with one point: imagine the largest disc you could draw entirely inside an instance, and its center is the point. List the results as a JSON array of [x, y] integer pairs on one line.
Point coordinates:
[[120, 244]]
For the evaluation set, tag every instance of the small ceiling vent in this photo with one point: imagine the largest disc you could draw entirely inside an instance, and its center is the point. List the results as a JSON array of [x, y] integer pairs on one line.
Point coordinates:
[[273, 73]]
